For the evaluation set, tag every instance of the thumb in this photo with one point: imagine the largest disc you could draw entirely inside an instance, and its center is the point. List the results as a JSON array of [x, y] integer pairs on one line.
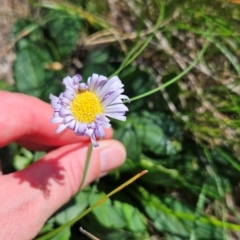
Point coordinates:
[[29, 197]]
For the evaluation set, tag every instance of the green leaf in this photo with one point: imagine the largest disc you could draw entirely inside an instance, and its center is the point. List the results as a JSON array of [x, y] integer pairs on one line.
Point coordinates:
[[73, 207], [22, 159], [153, 138], [98, 61], [176, 219], [129, 166], [106, 214], [49, 225], [63, 235], [64, 31], [38, 155], [135, 221], [114, 214], [29, 71], [21, 162], [129, 137], [158, 132], [159, 174], [31, 29]]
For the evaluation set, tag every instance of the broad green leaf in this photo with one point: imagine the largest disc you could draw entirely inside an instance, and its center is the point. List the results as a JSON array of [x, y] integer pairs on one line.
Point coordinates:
[[175, 218], [129, 165], [64, 30], [135, 222], [38, 155], [156, 132], [63, 235], [29, 71], [22, 159], [31, 29], [73, 207], [129, 137], [114, 214], [48, 226], [159, 174], [21, 162], [106, 214], [98, 61]]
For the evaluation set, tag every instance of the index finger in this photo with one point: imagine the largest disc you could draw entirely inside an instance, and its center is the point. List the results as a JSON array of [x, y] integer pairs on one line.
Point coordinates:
[[27, 119]]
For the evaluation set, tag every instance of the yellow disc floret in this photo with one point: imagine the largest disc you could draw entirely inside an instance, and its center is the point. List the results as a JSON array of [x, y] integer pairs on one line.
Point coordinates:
[[86, 106]]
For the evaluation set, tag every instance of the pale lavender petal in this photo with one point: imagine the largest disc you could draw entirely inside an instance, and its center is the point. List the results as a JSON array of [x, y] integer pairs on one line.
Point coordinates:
[[105, 124], [76, 79], [68, 119], [61, 96], [116, 116], [116, 101], [113, 96], [101, 80], [124, 97], [102, 119], [61, 127], [114, 87], [64, 111], [105, 119], [76, 126], [72, 88], [56, 105], [67, 81], [115, 108], [56, 120], [56, 114], [66, 100], [52, 97], [100, 131], [93, 82], [108, 84], [82, 128], [89, 81], [93, 140], [54, 101], [83, 86], [89, 132], [72, 124], [69, 95], [92, 125]]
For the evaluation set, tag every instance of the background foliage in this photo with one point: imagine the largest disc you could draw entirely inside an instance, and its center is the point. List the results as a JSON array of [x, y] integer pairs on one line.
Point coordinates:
[[186, 135]]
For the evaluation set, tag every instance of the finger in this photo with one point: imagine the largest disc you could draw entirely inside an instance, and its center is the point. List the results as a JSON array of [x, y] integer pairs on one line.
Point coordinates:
[[31, 196], [27, 119]]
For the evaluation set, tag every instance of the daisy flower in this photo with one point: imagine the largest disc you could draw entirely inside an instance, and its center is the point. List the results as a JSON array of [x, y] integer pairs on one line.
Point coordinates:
[[85, 107]]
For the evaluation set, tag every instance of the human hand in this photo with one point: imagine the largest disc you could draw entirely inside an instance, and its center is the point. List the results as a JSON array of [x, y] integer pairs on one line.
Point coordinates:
[[29, 197]]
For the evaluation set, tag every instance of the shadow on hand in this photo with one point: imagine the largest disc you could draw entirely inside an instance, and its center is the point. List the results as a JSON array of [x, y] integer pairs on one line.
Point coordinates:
[[42, 173]]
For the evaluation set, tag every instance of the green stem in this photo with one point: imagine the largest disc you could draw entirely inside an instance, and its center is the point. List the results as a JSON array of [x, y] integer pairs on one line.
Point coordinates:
[[89, 154], [192, 65], [99, 202]]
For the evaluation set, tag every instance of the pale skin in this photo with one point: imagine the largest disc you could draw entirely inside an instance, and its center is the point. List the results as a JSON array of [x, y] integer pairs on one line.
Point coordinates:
[[29, 197]]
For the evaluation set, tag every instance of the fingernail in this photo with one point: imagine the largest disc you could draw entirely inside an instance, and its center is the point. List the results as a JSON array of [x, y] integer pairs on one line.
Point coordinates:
[[111, 157]]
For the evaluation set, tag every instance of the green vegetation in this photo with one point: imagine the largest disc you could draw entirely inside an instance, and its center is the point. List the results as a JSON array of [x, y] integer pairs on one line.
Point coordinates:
[[186, 133]]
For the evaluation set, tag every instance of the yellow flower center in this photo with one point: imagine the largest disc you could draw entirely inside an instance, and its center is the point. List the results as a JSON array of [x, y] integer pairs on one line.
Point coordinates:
[[86, 106]]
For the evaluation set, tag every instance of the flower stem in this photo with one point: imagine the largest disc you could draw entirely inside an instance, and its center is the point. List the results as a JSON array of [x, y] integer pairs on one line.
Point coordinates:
[[89, 154], [192, 65]]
